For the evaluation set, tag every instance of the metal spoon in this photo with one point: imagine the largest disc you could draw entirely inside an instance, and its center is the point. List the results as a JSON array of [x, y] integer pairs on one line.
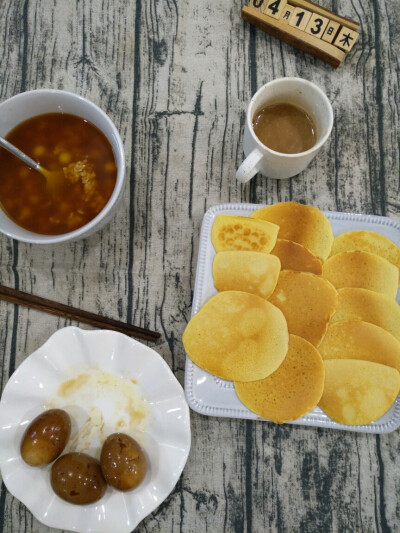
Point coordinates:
[[54, 178]]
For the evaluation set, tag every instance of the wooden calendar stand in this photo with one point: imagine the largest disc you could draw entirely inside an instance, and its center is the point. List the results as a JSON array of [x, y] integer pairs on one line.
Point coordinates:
[[305, 25]]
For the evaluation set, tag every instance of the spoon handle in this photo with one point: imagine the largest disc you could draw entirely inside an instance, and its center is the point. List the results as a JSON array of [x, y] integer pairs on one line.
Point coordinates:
[[17, 152]]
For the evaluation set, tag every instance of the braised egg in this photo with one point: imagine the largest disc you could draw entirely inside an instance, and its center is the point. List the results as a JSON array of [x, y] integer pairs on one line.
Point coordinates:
[[123, 462], [77, 478], [45, 437]]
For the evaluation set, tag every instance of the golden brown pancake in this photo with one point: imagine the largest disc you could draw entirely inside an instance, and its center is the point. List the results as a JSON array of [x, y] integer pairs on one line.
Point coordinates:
[[362, 270], [358, 392], [253, 272], [293, 390], [243, 233], [293, 256], [370, 306], [304, 224], [357, 339], [237, 336], [367, 241], [307, 301]]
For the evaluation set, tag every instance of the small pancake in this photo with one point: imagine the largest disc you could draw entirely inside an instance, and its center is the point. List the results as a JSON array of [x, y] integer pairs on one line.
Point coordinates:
[[243, 233], [307, 301], [253, 272], [367, 241], [237, 336], [358, 392], [304, 224], [370, 306], [357, 339], [293, 390], [362, 270], [293, 256]]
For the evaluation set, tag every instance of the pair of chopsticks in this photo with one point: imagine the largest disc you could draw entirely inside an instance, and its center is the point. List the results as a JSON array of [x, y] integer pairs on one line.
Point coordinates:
[[17, 297]]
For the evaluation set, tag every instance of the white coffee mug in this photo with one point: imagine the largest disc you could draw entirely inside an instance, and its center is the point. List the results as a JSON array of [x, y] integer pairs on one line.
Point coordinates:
[[259, 158]]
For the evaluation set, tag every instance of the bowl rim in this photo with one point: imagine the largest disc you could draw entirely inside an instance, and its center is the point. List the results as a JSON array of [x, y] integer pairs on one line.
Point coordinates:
[[38, 238]]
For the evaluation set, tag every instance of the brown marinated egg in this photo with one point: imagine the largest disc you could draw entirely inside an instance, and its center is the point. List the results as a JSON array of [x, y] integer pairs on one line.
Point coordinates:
[[77, 478], [123, 462], [45, 437]]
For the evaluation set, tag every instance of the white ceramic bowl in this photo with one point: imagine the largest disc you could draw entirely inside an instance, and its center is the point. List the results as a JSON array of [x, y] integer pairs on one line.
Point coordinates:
[[29, 104], [97, 409]]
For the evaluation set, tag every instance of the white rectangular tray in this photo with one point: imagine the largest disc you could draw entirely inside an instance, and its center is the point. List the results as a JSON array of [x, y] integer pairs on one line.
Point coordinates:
[[212, 396]]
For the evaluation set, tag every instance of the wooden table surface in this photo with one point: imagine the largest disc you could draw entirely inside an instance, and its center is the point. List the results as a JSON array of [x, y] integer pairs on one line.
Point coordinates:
[[176, 78]]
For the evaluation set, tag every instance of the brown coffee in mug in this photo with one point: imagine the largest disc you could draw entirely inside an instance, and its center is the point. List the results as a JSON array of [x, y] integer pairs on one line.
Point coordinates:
[[285, 128]]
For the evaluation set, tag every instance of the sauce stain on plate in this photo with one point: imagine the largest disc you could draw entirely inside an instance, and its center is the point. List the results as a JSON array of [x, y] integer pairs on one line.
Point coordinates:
[[102, 403]]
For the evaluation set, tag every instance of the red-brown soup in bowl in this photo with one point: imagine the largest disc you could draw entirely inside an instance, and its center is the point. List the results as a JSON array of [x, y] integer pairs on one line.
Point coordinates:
[[75, 138], [61, 142]]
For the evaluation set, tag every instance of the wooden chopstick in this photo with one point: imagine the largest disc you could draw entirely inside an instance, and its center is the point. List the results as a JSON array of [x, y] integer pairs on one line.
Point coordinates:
[[48, 306]]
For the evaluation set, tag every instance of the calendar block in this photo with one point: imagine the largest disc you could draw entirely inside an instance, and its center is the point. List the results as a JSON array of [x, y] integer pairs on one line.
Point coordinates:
[[259, 5], [316, 25], [346, 39], [331, 31], [274, 8], [305, 25], [300, 18], [287, 13]]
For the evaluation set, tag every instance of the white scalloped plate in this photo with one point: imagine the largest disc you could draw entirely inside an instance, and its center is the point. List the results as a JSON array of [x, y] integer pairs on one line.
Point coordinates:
[[213, 396], [164, 432]]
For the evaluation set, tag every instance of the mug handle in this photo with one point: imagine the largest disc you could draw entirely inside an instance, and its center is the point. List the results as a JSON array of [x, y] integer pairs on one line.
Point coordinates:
[[249, 167]]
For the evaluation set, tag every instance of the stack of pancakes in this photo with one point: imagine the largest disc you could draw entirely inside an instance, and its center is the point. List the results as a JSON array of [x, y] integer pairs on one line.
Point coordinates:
[[302, 318]]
